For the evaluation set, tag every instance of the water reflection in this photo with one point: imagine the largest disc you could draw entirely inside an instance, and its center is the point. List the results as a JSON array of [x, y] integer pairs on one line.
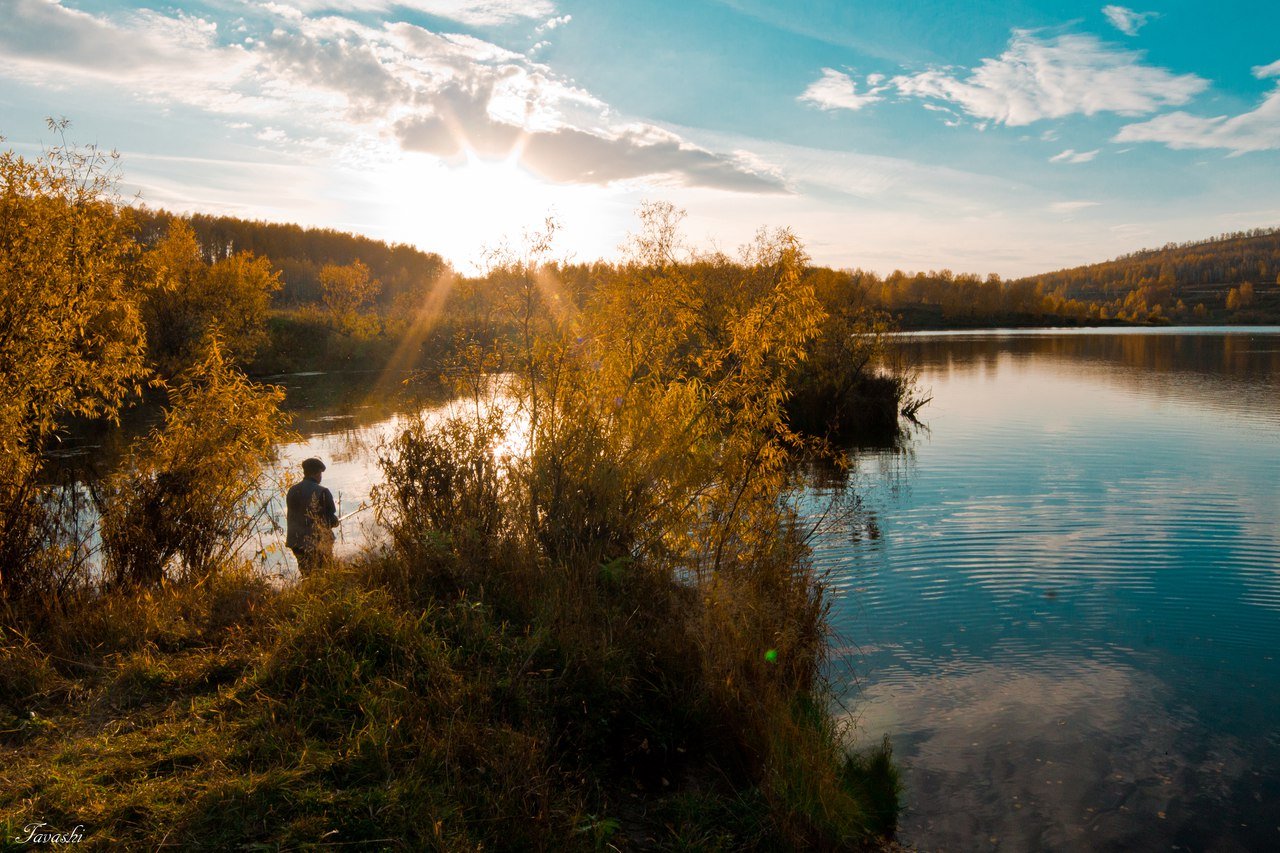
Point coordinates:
[[1083, 568], [1076, 755], [1229, 370]]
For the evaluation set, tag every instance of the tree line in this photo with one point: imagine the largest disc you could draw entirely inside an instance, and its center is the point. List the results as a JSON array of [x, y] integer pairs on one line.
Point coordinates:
[[1229, 278], [300, 254], [1233, 277]]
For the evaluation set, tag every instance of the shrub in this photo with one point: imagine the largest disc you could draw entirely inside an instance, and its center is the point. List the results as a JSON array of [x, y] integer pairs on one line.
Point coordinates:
[[71, 344], [190, 493]]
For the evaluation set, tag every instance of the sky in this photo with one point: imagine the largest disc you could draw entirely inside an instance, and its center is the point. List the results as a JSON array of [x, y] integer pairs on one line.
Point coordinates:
[[1011, 137]]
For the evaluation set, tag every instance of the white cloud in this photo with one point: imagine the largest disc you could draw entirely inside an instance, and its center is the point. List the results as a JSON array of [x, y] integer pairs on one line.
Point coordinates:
[[481, 13], [1126, 20], [835, 90], [1071, 206], [476, 13], [1073, 156], [42, 40], [334, 59], [1262, 72], [553, 23], [1038, 78], [1256, 130]]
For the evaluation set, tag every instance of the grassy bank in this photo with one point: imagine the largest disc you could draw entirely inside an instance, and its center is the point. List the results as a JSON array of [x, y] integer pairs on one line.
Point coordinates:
[[355, 707]]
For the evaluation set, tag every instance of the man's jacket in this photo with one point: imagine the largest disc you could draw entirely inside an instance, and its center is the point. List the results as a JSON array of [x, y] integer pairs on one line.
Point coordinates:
[[311, 513]]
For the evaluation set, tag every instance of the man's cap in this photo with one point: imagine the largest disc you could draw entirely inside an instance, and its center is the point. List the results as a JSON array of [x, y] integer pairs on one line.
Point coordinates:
[[312, 466]]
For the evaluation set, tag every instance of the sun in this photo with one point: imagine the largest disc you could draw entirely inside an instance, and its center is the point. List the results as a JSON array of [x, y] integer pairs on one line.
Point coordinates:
[[466, 206], [462, 209], [501, 191]]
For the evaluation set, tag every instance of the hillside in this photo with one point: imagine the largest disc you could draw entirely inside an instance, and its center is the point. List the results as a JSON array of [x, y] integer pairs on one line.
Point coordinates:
[[1234, 276]]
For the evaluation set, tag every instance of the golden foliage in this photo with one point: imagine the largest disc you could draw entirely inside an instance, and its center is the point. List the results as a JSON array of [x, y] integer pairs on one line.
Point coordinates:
[[189, 299], [347, 289], [192, 491], [71, 340]]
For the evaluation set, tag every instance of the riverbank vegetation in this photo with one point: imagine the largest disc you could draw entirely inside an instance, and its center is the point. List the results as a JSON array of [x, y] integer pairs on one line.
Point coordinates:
[[1231, 278], [595, 625], [1227, 279]]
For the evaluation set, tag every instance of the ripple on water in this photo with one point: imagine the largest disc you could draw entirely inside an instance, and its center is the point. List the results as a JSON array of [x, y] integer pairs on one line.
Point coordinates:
[[1078, 563]]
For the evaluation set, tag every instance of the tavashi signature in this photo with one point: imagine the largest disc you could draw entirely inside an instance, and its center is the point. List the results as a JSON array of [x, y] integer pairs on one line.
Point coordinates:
[[37, 834]]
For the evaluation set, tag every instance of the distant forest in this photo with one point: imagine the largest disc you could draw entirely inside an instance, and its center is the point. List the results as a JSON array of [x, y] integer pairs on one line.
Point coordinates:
[[299, 254], [1232, 278]]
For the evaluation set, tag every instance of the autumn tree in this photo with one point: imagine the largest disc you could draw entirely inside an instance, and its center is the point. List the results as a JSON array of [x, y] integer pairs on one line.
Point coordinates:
[[1246, 294], [71, 337], [347, 289], [190, 299]]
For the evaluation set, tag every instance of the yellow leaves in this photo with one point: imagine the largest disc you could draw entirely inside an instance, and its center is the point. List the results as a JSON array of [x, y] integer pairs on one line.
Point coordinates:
[[190, 488], [347, 288], [674, 386], [65, 264], [188, 299]]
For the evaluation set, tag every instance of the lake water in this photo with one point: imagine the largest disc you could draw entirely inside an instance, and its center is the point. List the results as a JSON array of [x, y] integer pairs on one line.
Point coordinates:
[[1063, 599]]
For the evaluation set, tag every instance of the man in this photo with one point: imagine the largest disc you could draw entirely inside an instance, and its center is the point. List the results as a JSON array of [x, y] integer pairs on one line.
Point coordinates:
[[310, 518]]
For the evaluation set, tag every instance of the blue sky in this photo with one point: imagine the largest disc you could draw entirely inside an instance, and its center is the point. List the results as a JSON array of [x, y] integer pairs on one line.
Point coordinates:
[[1008, 137]]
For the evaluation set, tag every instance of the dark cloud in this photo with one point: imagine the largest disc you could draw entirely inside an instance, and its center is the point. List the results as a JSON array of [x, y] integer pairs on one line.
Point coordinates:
[[349, 67], [461, 121], [49, 32]]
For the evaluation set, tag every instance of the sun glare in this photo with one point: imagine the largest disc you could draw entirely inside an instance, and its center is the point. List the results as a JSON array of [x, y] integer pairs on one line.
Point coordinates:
[[461, 210], [499, 190]]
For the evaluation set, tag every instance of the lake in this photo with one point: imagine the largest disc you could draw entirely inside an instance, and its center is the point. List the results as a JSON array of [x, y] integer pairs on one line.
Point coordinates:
[[1062, 600]]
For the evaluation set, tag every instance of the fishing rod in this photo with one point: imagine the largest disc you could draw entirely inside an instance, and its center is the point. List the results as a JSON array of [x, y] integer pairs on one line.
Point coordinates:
[[341, 518], [342, 537], [356, 511]]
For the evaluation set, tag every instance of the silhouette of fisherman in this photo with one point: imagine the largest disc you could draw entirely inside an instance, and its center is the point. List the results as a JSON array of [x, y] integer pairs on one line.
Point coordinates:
[[310, 518]]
